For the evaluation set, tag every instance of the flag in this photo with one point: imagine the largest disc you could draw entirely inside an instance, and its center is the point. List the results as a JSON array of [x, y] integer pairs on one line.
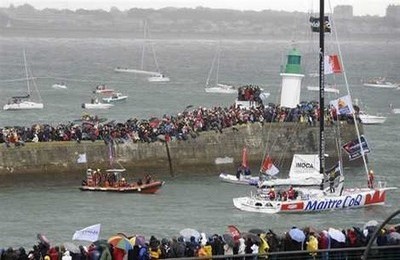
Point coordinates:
[[343, 105], [268, 167], [82, 158], [90, 233], [244, 158], [353, 148], [315, 24], [332, 64]]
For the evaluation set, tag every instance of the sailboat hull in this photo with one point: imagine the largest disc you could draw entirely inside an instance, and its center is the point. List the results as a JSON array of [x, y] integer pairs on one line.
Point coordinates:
[[320, 201], [23, 105], [246, 180]]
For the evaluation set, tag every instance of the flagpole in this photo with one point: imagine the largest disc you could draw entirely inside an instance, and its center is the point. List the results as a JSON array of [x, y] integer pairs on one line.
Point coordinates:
[[321, 87]]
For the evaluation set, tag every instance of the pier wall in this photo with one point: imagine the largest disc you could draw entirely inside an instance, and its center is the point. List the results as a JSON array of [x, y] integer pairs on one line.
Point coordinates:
[[280, 140]]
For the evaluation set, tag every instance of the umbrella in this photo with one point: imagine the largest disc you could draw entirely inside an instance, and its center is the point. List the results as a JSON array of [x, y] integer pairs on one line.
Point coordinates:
[[257, 231], [43, 239], [253, 237], [371, 223], [71, 247], [120, 242], [229, 240], [297, 234], [393, 237], [138, 241], [189, 232], [337, 235]]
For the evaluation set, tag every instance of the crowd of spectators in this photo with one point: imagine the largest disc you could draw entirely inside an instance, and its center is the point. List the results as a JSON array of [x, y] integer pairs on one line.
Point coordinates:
[[306, 243], [187, 124]]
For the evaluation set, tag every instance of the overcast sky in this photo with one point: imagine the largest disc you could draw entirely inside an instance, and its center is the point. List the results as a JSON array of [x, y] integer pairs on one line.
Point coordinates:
[[361, 7]]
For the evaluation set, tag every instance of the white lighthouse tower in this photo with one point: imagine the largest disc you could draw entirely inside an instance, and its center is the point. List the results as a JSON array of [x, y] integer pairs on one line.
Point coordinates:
[[291, 80]]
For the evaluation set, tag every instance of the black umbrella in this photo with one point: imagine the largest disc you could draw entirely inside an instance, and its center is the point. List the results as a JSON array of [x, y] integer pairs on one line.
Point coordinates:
[[228, 239], [257, 231], [253, 237]]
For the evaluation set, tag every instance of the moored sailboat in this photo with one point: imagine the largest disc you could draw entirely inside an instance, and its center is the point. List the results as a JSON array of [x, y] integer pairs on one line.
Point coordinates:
[[25, 102], [335, 196]]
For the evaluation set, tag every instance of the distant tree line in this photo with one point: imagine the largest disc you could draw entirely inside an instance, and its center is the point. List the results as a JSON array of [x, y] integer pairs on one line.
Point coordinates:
[[185, 22]]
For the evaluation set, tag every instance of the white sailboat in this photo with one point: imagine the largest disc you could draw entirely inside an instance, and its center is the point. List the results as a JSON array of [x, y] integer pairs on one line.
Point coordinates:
[[25, 102], [334, 197], [154, 76], [217, 87]]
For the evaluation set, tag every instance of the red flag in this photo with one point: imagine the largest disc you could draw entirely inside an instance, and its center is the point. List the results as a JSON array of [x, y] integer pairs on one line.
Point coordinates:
[[332, 64], [267, 164], [234, 232], [244, 157]]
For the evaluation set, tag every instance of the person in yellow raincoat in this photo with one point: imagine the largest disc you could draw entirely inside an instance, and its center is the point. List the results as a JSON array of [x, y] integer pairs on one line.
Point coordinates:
[[205, 251], [312, 245], [264, 246]]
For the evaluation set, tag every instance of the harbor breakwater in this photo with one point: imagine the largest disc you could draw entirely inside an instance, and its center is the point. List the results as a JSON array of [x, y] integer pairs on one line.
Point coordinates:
[[280, 140]]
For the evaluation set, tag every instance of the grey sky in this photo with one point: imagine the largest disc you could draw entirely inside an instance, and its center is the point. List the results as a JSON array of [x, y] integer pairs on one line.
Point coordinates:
[[361, 7]]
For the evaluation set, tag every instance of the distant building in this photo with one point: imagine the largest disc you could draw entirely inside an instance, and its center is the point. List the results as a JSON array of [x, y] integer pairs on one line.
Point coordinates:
[[343, 11]]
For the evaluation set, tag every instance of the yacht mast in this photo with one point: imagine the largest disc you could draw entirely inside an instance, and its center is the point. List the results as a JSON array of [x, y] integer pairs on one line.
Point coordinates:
[[321, 88]]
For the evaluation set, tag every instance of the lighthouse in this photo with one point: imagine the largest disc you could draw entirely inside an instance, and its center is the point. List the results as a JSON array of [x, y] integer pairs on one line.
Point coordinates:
[[291, 80]]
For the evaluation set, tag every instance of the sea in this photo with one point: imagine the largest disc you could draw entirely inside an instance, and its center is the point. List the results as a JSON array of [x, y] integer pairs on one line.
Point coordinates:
[[52, 204]]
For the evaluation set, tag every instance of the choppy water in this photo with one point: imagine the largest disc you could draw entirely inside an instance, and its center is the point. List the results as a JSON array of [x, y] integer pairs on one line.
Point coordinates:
[[55, 206]]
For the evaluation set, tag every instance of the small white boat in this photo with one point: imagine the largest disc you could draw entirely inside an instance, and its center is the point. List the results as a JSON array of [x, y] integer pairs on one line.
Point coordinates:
[[59, 85], [158, 78], [243, 179], [380, 83], [96, 104], [326, 89], [396, 110], [22, 105], [367, 119], [115, 97], [103, 89]]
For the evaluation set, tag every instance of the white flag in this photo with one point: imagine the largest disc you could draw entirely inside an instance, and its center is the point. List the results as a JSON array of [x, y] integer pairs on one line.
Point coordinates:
[[82, 158], [90, 234]]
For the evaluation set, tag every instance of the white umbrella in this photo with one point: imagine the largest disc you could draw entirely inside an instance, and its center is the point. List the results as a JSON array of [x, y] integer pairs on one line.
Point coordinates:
[[337, 235], [371, 223], [189, 232], [297, 234]]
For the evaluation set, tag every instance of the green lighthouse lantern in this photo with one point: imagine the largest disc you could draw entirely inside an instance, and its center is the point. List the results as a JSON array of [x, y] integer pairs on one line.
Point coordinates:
[[293, 62]]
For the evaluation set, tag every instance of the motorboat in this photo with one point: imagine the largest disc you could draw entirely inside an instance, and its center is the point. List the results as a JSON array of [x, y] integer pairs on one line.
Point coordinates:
[[96, 104], [93, 183], [380, 83], [116, 96], [243, 174], [367, 119], [59, 85], [103, 89], [243, 179]]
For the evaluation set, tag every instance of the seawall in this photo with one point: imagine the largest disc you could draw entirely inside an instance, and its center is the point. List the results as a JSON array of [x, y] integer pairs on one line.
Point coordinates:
[[280, 140]]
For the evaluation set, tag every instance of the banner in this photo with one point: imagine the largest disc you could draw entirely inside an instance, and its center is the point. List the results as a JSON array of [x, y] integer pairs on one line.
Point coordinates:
[[82, 158], [343, 105], [304, 165], [315, 24], [90, 233], [353, 148], [332, 64]]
